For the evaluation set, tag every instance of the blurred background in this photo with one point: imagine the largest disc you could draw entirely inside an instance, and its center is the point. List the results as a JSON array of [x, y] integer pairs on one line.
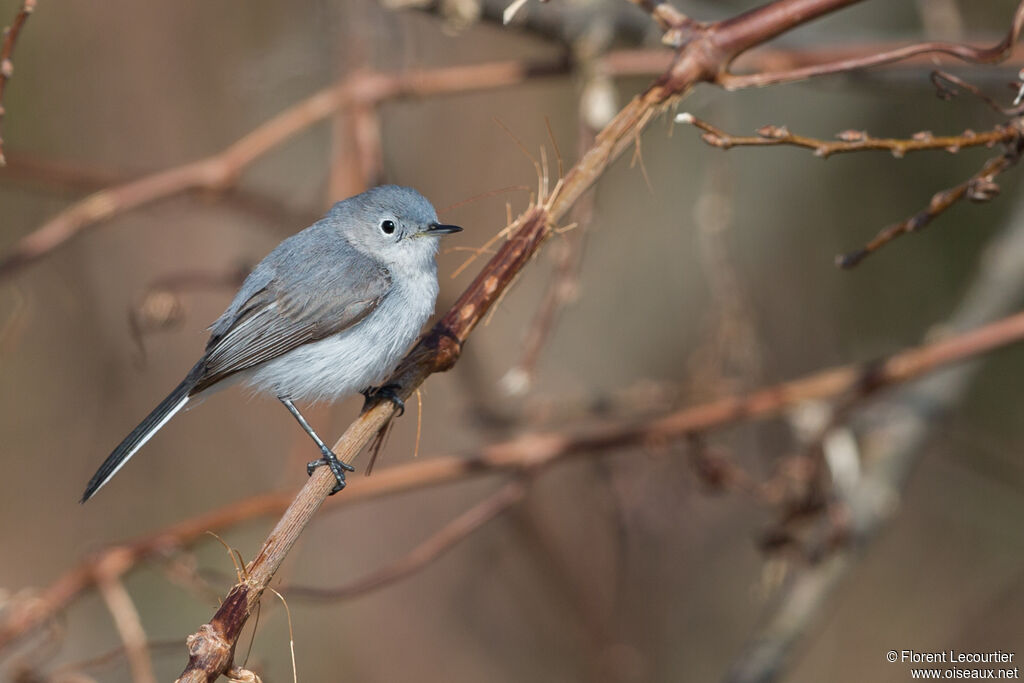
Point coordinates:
[[700, 274]]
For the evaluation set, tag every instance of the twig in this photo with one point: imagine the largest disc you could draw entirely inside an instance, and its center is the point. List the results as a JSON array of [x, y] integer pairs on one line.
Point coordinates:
[[10, 37], [979, 188], [853, 140], [448, 536], [129, 626], [942, 79], [967, 53]]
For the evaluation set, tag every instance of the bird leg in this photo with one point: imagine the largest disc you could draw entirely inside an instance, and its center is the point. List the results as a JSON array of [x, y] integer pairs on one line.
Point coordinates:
[[374, 395], [338, 467]]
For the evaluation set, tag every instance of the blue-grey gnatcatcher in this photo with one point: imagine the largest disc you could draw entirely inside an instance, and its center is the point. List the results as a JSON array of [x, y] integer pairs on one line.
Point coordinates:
[[329, 312]]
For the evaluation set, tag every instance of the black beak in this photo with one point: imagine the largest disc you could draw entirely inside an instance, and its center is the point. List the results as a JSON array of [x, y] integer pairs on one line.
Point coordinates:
[[440, 229]]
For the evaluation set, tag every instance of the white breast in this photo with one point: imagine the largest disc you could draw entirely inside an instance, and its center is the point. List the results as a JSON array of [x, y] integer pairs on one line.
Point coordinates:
[[357, 358]]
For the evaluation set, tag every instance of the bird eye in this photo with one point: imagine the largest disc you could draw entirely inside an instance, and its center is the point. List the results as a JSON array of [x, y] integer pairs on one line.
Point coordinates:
[[388, 227]]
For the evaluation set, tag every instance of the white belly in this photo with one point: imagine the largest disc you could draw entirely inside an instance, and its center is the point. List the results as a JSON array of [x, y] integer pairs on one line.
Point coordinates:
[[353, 360]]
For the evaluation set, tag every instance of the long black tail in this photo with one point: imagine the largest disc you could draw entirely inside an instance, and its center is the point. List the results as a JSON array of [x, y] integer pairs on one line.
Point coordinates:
[[141, 434]]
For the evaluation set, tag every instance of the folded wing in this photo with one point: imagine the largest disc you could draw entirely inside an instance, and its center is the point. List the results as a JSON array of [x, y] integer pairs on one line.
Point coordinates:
[[278, 312]]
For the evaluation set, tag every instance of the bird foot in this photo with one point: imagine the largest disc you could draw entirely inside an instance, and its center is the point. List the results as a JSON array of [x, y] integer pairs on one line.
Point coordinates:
[[375, 395], [338, 468]]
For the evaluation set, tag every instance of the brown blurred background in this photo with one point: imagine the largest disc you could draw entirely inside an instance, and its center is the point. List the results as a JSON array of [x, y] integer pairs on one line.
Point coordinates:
[[715, 278]]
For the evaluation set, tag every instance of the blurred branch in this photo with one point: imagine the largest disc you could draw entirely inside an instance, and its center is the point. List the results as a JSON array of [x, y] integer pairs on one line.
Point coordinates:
[[220, 171], [10, 37], [58, 173], [129, 626], [561, 22], [64, 673], [902, 427], [523, 454], [160, 304], [438, 544], [854, 140], [357, 153], [941, 19]]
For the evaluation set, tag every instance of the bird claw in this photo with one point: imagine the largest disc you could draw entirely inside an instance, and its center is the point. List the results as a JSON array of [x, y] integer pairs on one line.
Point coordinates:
[[338, 469], [374, 395]]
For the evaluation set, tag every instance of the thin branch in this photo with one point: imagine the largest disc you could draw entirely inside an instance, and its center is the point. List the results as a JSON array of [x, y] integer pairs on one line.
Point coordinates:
[[967, 53], [10, 38], [980, 187], [447, 537], [517, 456], [943, 80], [853, 140]]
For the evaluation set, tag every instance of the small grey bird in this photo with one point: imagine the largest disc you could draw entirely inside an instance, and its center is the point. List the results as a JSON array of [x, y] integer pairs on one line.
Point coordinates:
[[329, 312]]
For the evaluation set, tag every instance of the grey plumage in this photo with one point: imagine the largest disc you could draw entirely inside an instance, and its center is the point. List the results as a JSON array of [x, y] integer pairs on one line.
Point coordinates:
[[327, 313]]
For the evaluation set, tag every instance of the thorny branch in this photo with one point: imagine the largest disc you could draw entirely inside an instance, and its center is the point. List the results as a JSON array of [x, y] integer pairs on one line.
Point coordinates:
[[10, 37], [855, 140], [560, 291]]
